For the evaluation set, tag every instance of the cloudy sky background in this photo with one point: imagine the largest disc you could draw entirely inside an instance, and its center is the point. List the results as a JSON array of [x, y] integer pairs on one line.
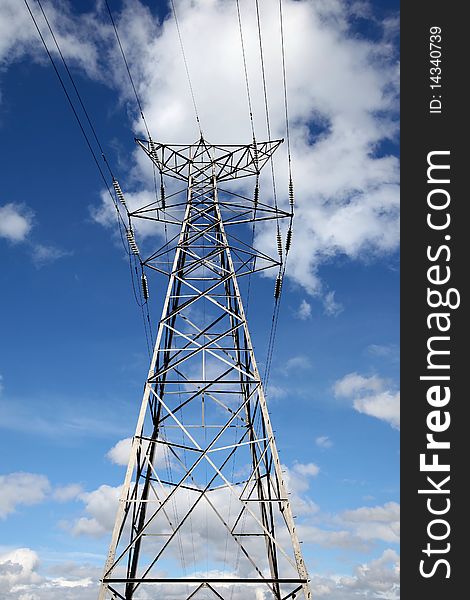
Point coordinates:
[[73, 356]]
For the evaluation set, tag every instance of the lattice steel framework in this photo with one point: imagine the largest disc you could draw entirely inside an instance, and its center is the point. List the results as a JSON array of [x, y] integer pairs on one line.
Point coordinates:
[[204, 511]]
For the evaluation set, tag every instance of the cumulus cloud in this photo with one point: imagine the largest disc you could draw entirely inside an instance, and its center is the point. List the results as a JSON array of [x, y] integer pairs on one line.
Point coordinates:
[[21, 579], [384, 406], [308, 469], [298, 479], [378, 579], [27, 489], [74, 33], [18, 568], [21, 489], [353, 383], [68, 492], [376, 522], [357, 529], [16, 221], [370, 397], [204, 528], [343, 539], [120, 452], [101, 505], [347, 193]]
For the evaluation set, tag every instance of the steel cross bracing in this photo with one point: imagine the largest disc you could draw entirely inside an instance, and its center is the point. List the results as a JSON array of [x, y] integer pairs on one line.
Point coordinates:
[[204, 511]]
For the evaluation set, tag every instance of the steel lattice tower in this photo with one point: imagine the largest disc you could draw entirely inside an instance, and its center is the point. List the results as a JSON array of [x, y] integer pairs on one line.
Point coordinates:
[[204, 512]]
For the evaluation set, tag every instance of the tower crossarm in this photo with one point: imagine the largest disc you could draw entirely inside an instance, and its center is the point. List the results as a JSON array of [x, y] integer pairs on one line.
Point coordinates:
[[203, 160]]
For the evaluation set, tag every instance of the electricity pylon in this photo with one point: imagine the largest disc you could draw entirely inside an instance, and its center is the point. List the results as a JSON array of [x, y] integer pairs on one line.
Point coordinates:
[[204, 511]]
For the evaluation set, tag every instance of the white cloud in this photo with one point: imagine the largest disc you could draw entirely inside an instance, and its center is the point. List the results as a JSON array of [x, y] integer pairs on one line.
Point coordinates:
[[21, 489], [298, 479], [347, 196], [21, 579], [378, 579], [120, 452], [304, 311], [331, 307], [89, 527], [75, 34], [370, 397], [390, 351], [16, 221], [275, 392], [323, 441], [376, 522], [308, 469], [18, 568], [384, 406], [332, 538], [101, 504], [357, 529], [27, 489], [43, 254], [67, 492], [297, 363], [353, 383]]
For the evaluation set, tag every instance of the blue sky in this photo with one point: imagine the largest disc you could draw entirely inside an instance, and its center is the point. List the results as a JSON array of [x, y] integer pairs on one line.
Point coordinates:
[[73, 356]]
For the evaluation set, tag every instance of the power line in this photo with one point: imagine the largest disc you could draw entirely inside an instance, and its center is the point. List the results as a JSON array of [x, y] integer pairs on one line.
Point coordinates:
[[145, 312], [247, 83], [291, 200], [250, 110], [186, 66], [278, 230], [77, 117], [284, 81], [127, 68], [283, 265], [266, 105], [75, 88], [121, 222]]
